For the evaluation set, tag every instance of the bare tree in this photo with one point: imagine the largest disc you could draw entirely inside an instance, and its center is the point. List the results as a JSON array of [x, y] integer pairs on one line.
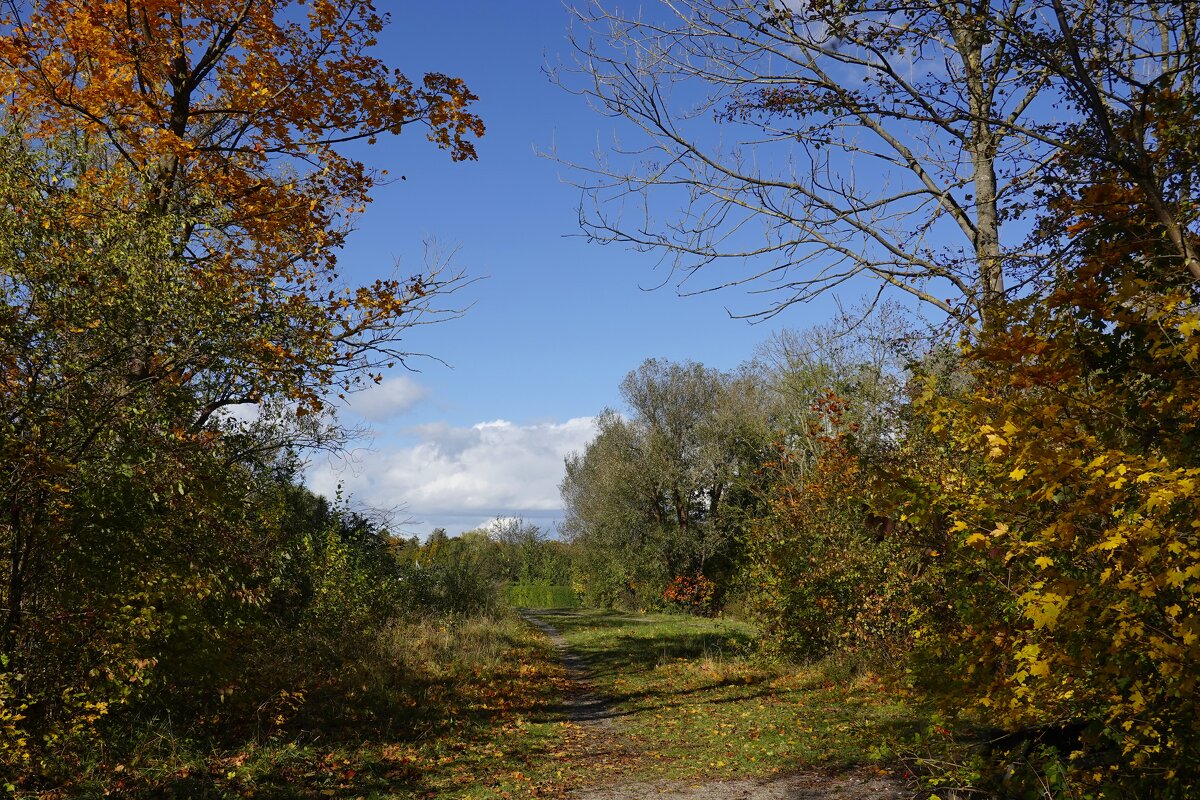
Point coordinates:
[[794, 146]]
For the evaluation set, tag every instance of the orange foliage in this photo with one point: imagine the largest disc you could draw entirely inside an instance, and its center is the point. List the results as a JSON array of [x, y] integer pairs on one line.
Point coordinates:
[[228, 116], [1062, 480], [694, 594]]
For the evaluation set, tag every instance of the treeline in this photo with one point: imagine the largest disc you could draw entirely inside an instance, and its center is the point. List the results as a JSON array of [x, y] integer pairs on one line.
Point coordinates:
[[509, 562]]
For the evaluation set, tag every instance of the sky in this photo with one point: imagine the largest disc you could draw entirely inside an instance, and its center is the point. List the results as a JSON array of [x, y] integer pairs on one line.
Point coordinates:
[[552, 323]]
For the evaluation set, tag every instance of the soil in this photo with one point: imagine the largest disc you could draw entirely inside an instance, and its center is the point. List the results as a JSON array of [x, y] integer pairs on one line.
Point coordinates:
[[585, 708]]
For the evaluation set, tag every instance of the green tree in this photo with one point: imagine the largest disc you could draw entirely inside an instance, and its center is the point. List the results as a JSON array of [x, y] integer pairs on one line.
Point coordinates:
[[649, 499]]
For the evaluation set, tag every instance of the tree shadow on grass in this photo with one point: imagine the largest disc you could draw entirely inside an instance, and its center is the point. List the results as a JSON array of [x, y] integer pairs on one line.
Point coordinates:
[[567, 619], [620, 654], [407, 739]]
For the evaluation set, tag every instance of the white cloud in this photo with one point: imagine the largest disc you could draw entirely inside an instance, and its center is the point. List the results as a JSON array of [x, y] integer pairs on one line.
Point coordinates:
[[387, 400], [451, 474]]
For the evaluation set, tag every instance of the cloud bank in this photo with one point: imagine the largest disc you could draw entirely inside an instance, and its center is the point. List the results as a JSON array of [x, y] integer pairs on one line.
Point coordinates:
[[456, 477]]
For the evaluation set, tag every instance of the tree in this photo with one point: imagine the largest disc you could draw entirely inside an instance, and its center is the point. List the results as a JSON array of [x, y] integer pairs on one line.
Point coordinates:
[[527, 554], [820, 571], [142, 557], [863, 361], [1056, 491], [605, 498], [226, 118], [823, 142], [1130, 71], [191, 199], [653, 491], [172, 198]]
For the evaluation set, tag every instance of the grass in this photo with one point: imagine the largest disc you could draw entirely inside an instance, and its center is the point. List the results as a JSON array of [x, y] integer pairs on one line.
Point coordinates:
[[700, 702], [466, 708], [473, 708]]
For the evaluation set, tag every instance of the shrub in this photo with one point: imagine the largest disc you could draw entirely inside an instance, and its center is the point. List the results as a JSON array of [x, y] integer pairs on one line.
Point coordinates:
[[692, 594]]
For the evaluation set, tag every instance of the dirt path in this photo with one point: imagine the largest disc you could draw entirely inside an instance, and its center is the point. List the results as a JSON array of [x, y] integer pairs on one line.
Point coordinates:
[[582, 705], [596, 720]]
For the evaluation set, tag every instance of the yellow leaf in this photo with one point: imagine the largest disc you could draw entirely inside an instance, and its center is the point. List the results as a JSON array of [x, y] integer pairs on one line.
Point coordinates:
[[1043, 561], [1017, 474], [1045, 610]]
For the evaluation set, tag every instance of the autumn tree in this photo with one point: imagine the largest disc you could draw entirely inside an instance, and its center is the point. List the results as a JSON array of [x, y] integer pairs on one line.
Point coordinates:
[[821, 572], [228, 117], [1056, 489], [1130, 71], [214, 127], [799, 148], [172, 200]]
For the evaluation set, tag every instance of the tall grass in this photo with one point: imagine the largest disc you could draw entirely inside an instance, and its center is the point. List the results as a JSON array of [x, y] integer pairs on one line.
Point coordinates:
[[438, 645]]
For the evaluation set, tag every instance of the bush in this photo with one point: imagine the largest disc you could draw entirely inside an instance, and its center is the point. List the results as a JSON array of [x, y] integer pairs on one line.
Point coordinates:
[[693, 595]]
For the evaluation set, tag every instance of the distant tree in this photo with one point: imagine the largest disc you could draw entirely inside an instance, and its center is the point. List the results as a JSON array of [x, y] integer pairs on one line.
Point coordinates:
[[606, 497], [528, 554], [648, 497]]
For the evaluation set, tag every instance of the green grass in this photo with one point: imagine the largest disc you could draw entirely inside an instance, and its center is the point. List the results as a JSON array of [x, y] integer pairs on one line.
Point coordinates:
[[701, 703], [474, 710]]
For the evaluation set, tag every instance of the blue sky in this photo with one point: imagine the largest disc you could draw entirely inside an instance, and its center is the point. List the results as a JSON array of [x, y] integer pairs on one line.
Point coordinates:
[[555, 322]]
